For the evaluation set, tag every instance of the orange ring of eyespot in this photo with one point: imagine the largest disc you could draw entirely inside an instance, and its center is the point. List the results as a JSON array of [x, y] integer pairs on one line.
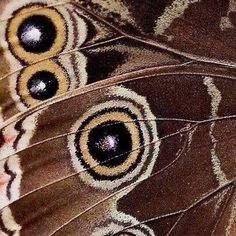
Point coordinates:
[[15, 22], [133, 130], [48, 65]]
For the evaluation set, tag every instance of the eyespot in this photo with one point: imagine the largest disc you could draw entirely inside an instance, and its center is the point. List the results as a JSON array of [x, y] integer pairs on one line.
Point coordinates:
[[111, 133], [47, 79], [41, 81], [108, 138], [37, 32], [33, 36]]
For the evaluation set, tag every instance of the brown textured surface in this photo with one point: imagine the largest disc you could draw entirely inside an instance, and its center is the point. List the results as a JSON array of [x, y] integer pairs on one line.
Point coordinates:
[[196, 33], [172, 60]]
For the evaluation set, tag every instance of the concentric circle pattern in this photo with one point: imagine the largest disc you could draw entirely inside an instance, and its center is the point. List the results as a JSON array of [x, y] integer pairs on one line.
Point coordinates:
[[33, 36], [114, 142], [42, 81]]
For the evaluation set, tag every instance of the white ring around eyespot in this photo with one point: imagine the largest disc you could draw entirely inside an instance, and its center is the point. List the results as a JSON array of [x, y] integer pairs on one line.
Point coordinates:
[[124, 99]]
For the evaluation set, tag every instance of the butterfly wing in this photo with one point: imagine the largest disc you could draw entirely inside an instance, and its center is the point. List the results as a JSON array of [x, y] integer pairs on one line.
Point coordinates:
[[148, 151], [201, 30], [174, 162], [82, 49]]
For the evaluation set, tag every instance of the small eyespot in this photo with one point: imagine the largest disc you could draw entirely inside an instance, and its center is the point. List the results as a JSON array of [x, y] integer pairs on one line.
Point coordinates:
[[42, 85], [41, 81], [109, 140], [46, 79]]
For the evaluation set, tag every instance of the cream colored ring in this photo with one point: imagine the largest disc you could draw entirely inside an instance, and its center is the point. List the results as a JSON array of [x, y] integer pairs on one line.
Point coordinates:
[[23, 14], [132, 158], [48, 65], [125, 100]]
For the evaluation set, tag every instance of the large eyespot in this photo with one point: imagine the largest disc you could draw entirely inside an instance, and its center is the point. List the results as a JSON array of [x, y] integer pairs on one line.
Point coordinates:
[[109, 140], [37, 32], [111, 136]]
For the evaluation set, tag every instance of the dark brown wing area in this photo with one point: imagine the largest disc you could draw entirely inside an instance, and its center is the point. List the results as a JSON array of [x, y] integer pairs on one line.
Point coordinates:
[[199, 29]]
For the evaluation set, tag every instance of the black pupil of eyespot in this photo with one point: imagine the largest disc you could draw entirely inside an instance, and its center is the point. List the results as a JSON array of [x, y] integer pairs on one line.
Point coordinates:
[[42, 85], [110, 143], [37, 34]]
